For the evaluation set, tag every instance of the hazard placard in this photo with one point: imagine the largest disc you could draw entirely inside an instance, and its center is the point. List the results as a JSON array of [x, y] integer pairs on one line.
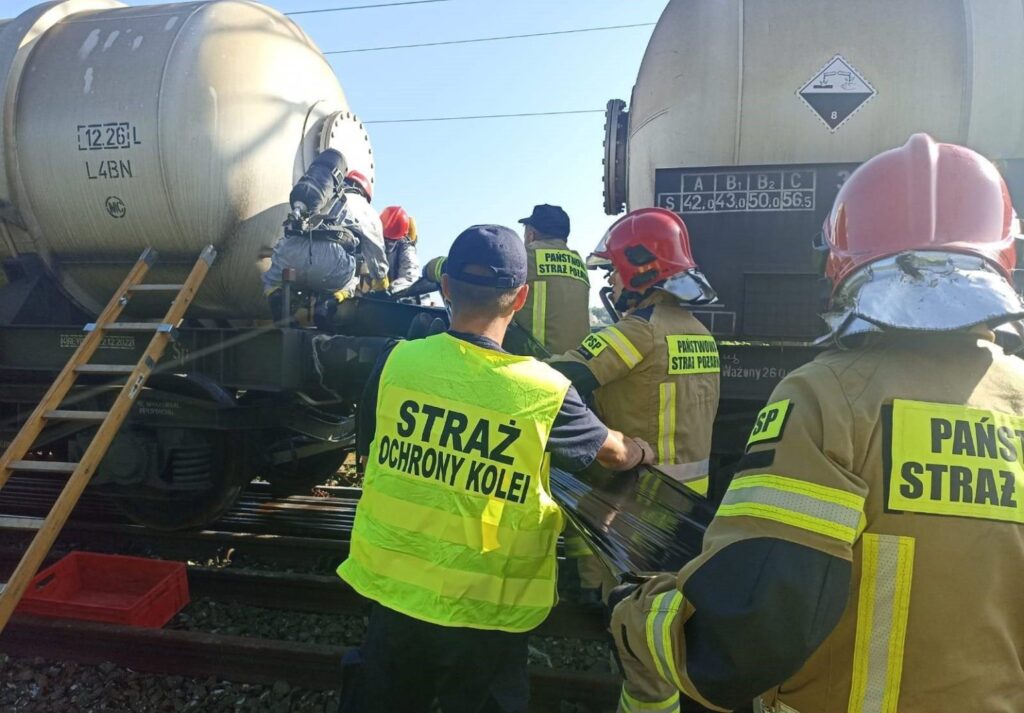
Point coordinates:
[[836, 92]]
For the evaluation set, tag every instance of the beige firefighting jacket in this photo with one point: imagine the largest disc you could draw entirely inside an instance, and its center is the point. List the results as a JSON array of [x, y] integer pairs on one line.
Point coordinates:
[[557, 312], [904, 458], [658, 371]]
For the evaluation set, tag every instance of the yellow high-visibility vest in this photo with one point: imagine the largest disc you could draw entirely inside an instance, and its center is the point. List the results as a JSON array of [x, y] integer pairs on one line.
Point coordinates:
[[456, 525]]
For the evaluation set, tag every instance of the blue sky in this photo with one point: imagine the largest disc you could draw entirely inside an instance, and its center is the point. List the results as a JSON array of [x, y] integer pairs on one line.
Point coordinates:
[[453, 174]]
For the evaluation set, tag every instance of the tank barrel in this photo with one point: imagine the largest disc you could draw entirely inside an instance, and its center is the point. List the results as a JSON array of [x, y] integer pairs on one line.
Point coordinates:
[[168, 125]]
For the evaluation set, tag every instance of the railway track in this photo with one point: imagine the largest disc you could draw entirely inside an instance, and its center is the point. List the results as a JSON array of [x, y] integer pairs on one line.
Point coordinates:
[[245, 659], [303, 531], [258, 660], [326, 595], [308, 532], [258, 511]]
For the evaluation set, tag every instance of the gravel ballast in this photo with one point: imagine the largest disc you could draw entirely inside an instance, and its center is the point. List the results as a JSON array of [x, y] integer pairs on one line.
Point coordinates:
[[39, 686], [216, 617]]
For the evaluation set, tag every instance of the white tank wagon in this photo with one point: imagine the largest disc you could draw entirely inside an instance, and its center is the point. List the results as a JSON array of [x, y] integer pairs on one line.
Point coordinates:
[[734, 83], [172, 126], [746, 118]]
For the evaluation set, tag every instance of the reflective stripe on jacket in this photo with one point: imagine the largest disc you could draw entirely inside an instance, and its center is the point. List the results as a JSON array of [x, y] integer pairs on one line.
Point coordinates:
[[456, 525]]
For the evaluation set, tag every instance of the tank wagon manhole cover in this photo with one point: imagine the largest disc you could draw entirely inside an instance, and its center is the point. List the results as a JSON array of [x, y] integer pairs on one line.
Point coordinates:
[[836, 92]]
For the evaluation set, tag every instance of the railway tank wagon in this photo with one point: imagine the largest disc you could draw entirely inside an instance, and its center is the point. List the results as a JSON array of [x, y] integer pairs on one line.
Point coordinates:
[[172, 126], [746, 118]]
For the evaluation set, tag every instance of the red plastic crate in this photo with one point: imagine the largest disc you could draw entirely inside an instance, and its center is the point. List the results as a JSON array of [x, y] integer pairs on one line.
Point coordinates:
[[110, 588]]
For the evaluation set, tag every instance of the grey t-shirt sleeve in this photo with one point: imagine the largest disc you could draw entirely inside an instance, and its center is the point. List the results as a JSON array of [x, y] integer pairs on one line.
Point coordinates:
[[577, 434]]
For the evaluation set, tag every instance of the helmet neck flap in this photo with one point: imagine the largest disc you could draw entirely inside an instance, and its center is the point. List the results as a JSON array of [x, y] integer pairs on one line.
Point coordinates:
[[926, 291]]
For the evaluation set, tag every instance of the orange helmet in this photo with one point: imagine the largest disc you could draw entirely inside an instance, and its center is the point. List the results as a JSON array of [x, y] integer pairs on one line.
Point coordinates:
[[359, 180], [922, 237], [396, 222], [648, 248]]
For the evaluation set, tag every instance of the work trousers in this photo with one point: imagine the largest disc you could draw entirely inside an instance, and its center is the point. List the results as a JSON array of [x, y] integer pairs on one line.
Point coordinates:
[[322, 266], [408, 663]]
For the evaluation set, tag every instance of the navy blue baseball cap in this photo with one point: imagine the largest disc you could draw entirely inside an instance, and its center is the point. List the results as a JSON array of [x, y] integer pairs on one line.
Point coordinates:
[[549, 219], [495, 253]]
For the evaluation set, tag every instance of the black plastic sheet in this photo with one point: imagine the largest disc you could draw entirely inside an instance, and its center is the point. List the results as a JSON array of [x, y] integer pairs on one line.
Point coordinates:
[[639, 522]]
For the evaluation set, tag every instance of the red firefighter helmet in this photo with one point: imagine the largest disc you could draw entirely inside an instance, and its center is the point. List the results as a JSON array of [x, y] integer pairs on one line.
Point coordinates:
[[650, 248], [922, 196], [360, 181], [646, 247], [396, 222], [922, 237]]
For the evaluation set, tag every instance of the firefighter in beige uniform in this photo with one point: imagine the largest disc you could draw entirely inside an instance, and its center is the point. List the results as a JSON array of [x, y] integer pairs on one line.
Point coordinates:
[[868, 557], [557, 314], [557, 311], [656, 371]]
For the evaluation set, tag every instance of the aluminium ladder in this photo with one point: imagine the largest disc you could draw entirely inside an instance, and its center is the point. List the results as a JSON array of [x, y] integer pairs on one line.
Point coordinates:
[[49, 409]]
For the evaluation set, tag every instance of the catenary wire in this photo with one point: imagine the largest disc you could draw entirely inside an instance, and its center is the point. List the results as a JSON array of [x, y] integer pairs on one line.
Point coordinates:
[[363, 7], [485, 116], [418, 120], [492, 39]]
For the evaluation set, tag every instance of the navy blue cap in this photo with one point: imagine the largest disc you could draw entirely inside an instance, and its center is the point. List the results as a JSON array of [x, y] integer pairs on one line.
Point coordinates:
[[549, 219], [493, 249]]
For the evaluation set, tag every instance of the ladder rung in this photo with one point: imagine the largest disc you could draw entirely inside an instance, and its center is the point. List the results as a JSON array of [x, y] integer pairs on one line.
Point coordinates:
[[68, 415], [132, 327], [14, 522], [105, 369], [155, 288], [42, 466]]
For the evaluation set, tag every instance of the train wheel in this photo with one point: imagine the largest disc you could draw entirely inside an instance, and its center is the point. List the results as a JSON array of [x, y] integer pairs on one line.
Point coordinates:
[[193, 508], [181, 512], [207, 469]]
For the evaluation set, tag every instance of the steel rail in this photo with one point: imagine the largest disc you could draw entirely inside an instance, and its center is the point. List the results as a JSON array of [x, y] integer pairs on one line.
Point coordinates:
[[236, 658]]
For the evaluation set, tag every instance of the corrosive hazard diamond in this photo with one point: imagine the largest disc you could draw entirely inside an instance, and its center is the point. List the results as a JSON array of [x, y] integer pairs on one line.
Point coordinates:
[[836, 92]]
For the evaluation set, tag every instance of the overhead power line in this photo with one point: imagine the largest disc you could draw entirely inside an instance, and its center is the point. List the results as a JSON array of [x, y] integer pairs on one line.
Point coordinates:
[[493, 39], [363, 7], [485, 116]]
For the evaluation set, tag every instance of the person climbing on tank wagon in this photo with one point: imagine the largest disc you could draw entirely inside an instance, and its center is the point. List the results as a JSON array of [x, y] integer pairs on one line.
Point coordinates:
[[557, 311], [867, 555], [400, 244], [455, 534], [655, 373], [330, 229]]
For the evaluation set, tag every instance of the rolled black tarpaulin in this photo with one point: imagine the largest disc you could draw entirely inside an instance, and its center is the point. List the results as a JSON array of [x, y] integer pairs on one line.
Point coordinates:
[[639, 523]]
